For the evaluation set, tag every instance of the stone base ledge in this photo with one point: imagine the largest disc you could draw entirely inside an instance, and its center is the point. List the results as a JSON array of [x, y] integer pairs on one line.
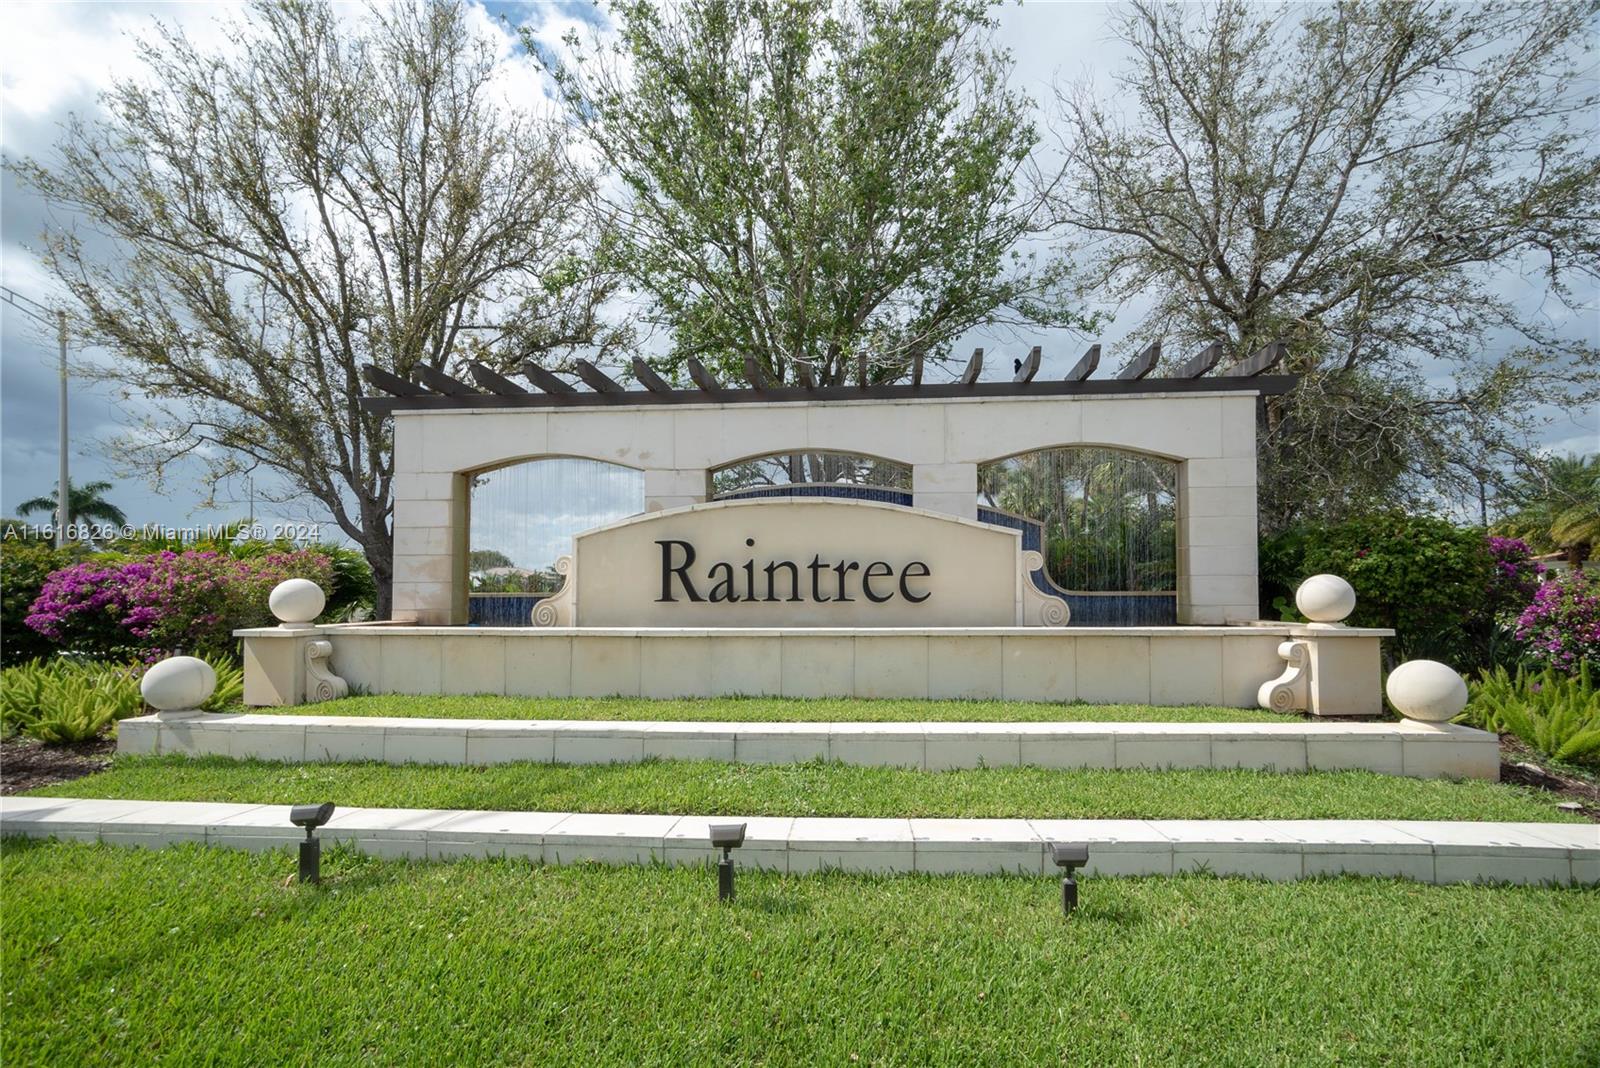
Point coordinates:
[[1416, 750], [1105, 665], [1280, 850]]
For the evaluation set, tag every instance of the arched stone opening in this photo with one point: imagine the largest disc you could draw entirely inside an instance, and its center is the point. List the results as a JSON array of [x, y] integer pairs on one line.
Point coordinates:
[[521, 519], [814, 473], [1104, 519]]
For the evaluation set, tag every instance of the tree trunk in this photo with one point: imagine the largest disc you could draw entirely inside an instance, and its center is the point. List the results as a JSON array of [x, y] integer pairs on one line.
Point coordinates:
[[378, 547]]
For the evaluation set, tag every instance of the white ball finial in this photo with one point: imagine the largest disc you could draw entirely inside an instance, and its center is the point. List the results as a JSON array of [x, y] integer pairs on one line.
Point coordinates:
[[296, 601], [1325, 598], [178, 684], [1426, 690]]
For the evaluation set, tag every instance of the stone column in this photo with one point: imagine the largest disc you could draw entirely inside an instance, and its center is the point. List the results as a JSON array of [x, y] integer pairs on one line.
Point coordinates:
[[430, 523], [1218, 530]]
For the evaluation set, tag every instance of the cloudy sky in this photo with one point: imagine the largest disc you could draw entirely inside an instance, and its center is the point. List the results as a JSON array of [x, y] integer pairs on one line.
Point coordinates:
[[56, 57]]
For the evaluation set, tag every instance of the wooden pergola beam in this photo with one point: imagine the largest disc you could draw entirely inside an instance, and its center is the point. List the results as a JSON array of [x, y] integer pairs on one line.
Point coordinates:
[[597, 379], [1259, 362], [1029, 367], [648, 377], [440, 382], [547, 381], [1085, 366], [974, 368], [493, 381], [701, 377], [1202, 362], [1142, 364], [391, 384]]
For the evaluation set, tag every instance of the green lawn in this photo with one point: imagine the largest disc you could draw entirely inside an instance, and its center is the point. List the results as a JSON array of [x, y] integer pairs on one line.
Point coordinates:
[[191, 955], [770, 709], [820, 789]]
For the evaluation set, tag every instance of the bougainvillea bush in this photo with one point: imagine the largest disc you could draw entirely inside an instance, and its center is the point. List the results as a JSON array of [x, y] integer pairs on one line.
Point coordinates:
[[1561, 627], [1515, 574], [165, 603]]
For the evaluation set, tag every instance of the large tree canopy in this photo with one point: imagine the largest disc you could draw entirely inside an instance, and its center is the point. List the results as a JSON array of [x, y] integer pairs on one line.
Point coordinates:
[[813, 182], [1356, 179], [326, 192]]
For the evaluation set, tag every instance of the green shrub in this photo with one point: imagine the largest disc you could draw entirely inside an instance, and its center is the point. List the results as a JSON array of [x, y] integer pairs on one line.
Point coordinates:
[[230, 685], [352, 591], [1427, 579], [1556, 714], [23, 568]]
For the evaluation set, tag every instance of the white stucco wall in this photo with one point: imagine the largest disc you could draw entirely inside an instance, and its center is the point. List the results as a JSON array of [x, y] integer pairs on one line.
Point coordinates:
[[1211, 435]]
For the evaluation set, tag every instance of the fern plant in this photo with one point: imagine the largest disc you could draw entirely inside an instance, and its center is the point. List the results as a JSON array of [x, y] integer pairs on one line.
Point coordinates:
[[230, 686], [1556, 714], [22, 696], [81, 706]]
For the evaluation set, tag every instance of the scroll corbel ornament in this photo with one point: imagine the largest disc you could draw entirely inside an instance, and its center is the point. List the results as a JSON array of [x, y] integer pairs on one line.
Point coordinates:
[[560, 609], [1038, 609], [321, 683], [1291, 691]]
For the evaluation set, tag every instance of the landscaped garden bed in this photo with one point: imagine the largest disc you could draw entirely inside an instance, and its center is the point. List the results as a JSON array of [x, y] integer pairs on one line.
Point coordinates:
[[124, 956]]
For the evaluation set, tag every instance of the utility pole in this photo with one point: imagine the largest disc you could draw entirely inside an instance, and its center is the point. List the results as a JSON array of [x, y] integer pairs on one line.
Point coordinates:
[[41, 313], [63, 487]]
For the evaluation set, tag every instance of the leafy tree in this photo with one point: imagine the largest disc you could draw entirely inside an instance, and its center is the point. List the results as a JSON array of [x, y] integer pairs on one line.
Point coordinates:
[[1350, 178], [324, 194], [87, 504], [812, 182], [1556, 506]]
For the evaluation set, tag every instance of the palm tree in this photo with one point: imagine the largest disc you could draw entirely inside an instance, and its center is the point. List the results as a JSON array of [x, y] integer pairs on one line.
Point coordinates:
[[85, 502], [1558, 507]]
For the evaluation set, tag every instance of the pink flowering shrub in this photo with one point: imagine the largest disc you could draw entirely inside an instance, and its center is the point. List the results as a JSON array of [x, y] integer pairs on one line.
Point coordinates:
[[1562, 625], [165, 603]]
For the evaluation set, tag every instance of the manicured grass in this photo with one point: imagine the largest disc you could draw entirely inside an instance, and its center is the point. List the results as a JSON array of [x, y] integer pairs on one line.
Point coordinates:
[[191, 955], [768, 709], [819, 789]]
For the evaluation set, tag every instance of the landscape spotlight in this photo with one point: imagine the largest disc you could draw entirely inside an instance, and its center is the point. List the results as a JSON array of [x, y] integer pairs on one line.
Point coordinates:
[[311, 817], [1069, 856], [726, 837]]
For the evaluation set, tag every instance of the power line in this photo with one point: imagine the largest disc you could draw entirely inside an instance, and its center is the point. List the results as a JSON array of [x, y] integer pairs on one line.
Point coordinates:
[[32, 308]]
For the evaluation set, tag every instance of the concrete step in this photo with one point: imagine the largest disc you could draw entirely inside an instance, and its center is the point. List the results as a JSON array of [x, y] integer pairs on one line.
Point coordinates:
[[1425, 851], [1418, 750]]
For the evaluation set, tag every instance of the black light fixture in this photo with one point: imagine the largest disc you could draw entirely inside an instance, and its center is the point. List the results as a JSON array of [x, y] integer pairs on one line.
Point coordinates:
[[726, 837], [1069, 856], [311, 817]]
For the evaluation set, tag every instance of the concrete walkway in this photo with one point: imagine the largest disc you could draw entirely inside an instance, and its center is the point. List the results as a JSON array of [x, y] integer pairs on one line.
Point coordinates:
[[1426, 851]]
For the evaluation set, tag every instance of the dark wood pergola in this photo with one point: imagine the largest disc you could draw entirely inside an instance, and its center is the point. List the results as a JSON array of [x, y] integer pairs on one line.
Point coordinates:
[[433, 390]]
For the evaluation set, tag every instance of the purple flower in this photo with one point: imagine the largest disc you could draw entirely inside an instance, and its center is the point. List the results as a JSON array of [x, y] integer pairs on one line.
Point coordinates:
[[1562, 622]]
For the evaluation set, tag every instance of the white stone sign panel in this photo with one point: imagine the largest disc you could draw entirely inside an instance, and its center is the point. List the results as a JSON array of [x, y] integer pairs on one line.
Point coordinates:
[[799, 562]]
